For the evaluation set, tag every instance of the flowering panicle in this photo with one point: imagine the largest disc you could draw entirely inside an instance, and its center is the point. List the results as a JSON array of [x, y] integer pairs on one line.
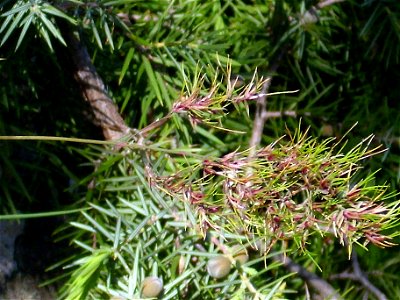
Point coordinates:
[[210, 108], [287, 191]]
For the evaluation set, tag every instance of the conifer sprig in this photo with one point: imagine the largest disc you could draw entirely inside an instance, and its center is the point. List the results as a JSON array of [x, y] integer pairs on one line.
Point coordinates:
[[291, 189]]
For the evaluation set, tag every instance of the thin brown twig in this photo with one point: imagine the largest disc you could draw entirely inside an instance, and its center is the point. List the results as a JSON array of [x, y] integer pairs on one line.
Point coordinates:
[[261, 114], [343, 275], [287, 113], [319, 285], [259, 117], [363, 279], [325, 3], [359, 275]]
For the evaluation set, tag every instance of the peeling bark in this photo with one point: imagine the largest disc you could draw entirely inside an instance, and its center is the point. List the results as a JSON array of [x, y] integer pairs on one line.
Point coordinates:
[[105, 111]]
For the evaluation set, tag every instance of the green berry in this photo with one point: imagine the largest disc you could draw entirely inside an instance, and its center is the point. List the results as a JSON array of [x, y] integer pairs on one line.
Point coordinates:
[[152, 287], [240, 254], [219, 266]]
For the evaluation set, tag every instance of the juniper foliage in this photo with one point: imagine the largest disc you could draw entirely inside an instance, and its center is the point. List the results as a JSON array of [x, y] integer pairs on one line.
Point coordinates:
[[170, 204]]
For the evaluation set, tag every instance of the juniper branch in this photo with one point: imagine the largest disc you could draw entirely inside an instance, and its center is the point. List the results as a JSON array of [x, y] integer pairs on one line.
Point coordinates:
[[93, 89], [363, 279], [319, 285]]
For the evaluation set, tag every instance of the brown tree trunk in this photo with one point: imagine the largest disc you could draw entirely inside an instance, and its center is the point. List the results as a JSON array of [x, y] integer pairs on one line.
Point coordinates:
[[105, 111]]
